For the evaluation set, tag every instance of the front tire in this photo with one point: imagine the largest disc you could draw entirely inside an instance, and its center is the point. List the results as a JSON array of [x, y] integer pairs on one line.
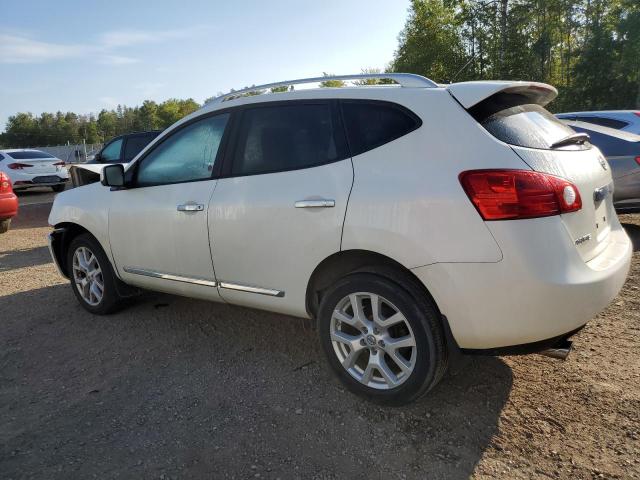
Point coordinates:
[[385, 342], [92, 278]]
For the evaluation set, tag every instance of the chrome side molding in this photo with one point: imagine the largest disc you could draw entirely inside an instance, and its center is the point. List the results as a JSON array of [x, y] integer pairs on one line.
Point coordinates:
[[207, 283], [169, 276], [251, 289]]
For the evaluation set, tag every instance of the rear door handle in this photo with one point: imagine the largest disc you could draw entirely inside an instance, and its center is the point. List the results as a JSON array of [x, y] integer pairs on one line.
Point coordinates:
[[320, 203], [191, 207]]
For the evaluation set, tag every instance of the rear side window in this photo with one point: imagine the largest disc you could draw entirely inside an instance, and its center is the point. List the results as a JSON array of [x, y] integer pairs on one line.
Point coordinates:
[[286, 137], [372, 124], [510, 118], [29, 155], [605, 122], [135, 145]]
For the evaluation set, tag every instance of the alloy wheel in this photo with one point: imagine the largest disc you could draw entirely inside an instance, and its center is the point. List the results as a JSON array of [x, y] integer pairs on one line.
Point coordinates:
[[87, 276], [373, 340]]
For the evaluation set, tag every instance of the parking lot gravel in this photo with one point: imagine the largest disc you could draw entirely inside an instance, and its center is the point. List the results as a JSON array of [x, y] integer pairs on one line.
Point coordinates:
[[174, 388]]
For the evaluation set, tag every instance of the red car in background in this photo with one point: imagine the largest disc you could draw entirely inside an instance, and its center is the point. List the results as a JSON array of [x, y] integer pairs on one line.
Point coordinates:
[[8, 202]]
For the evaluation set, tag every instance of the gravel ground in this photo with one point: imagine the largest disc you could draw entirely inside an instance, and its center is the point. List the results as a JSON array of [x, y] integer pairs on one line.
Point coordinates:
[[179, 388]]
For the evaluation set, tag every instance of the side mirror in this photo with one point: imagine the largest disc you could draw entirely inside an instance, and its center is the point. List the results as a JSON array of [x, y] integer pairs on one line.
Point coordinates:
[[113, 176], [96, 157]]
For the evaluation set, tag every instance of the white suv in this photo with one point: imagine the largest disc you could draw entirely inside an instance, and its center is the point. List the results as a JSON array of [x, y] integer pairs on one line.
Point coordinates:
[[407, 220]]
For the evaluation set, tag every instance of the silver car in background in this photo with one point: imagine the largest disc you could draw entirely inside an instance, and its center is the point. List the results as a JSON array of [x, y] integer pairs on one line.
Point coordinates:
[[622, 151]]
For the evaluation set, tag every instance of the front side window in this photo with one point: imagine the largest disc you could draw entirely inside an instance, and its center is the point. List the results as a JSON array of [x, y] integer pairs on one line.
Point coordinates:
[[111, 152], [286, 137], [372, 124], [187, 155]]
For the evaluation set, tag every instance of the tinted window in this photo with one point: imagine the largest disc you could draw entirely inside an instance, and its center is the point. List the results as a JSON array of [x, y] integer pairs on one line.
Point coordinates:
[[285, 137], [371, 124], [509, 118], [1, 157], [605, 122], [29, 154], [189, 154], [111, 153], [134, 145]]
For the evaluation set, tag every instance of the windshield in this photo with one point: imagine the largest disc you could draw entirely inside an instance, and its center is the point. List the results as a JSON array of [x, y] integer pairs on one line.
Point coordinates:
[[29, 155], [507, 118]]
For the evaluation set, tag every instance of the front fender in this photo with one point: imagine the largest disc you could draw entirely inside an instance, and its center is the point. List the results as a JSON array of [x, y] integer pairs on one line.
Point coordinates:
[[87, 207]]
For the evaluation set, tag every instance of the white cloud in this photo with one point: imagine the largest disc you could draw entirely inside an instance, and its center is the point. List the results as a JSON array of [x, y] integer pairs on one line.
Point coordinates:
[[109, 101], [24, 49], [16, 49], [116, 60]]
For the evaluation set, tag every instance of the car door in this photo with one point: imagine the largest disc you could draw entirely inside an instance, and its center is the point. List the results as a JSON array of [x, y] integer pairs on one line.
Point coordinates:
[[279, 210], [158, 226]]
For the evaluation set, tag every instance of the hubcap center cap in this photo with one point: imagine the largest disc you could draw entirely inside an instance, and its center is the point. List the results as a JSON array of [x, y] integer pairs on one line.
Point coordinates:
[[371, 340]]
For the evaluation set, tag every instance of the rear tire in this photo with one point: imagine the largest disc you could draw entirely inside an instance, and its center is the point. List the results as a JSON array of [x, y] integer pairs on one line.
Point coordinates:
[[92, 278], [391, 357], [58, 188], [4, 225]]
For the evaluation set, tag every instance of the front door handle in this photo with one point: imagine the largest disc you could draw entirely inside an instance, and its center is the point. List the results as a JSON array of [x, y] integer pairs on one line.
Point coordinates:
[[191, 207], [319, 203]]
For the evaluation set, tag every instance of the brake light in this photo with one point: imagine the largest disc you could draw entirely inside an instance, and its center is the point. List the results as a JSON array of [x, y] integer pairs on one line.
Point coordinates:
[[5, 183], [638, 160], [637, 113], [59, 164], [18, 166], [516, 194]]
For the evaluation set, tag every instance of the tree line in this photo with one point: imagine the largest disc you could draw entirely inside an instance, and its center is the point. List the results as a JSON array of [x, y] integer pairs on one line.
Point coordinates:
[[588, 49], [26, 129]]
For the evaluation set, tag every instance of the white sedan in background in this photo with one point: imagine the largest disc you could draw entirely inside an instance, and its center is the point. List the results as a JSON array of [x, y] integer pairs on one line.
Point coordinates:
[[33, 168]]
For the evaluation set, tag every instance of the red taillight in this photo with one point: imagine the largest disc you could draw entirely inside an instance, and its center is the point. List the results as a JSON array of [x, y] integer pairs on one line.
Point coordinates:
[[5, 183], [514, 194], [638, 160], [18, 166], [59, 164], [637, 113]]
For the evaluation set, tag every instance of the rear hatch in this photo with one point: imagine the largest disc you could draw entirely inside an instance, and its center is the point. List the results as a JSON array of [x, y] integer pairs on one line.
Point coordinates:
[[513, 112], [36, 162]]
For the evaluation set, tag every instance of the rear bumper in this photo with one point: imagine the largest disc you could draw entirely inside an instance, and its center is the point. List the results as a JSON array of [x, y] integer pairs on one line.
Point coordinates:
[[8, 206], [542, 289], [22, 184]]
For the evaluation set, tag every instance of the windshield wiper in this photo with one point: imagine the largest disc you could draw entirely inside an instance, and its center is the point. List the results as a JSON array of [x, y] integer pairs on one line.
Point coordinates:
[[578, 138]]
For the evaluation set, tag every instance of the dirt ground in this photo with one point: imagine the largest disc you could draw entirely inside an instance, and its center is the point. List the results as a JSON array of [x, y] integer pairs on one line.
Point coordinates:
[[178, 388]]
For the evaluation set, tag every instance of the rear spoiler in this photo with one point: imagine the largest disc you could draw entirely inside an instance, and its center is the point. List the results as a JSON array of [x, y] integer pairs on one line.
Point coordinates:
[[472, 93]]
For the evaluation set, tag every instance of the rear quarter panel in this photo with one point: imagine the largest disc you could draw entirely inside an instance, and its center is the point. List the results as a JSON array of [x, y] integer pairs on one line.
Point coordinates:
[[407, 202]]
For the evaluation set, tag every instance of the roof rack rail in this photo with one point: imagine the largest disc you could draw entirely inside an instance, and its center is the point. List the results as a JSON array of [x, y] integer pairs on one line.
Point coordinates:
[[403, 79]]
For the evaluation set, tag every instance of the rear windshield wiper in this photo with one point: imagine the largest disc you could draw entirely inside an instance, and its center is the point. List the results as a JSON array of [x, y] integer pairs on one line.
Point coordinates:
[[578, 138]]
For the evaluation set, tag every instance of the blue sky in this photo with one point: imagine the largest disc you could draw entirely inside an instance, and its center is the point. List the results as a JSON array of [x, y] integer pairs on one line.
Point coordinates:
[[83, 56]]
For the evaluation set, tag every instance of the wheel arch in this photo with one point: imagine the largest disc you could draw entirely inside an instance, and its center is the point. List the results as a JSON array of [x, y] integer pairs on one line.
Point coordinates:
[[346, 262], [63, 235]]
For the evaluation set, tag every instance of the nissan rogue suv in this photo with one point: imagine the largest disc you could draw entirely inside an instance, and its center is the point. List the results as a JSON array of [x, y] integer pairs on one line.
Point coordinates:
[[407, 220]]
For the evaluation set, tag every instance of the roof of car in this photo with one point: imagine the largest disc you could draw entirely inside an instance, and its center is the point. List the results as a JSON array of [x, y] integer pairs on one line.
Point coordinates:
[[601, 112], [612, 132]]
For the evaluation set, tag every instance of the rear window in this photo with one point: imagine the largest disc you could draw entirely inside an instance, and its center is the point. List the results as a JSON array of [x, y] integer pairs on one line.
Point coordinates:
[[509, 118], [135, 145], [29, 154], [372, 124]]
